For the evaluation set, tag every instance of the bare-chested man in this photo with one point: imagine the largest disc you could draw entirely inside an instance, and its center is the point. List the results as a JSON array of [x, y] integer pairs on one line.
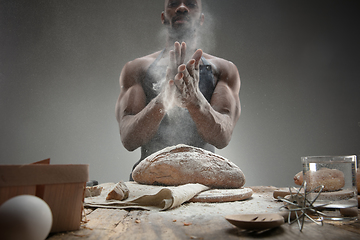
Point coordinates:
[[179, 94]]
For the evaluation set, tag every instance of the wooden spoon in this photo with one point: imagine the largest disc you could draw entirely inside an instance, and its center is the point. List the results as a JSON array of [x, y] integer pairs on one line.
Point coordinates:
[[256, 221]]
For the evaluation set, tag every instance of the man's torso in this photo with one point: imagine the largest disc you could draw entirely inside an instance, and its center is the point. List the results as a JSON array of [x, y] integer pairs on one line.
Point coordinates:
[[177, 126]]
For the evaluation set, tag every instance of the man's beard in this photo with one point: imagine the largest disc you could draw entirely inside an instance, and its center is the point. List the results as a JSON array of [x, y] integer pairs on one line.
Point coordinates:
[[183, 32]]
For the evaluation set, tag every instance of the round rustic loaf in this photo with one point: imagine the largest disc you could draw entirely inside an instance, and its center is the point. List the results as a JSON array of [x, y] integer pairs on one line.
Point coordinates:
[[331, 179], [182, 164]]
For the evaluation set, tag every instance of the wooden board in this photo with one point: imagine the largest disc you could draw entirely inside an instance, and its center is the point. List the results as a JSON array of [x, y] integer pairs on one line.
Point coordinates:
[[223, 195]]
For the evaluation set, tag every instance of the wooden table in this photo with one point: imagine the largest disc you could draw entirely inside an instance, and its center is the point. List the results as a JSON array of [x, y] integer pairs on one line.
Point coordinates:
[[199, 221]]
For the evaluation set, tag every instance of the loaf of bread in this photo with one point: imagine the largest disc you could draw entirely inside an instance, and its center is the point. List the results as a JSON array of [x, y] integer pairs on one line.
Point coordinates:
[[331, 179], [182, 164]]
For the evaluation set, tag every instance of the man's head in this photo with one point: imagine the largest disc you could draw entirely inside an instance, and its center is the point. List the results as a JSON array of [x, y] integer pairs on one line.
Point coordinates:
[[182, 17]]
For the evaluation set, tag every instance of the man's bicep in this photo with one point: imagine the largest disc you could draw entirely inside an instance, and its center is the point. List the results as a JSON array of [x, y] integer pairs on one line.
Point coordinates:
[[221, 99], [226, 95], [131, 101], [132, 97], [225, 100]]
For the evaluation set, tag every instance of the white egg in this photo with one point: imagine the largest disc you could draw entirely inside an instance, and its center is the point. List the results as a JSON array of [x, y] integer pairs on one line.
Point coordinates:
[[25, 217]]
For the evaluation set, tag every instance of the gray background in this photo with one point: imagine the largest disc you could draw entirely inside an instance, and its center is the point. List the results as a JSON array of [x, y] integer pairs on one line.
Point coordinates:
[[60, 62]]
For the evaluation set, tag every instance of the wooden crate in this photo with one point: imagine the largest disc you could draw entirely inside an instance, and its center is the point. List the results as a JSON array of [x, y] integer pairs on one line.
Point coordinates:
[[62, 187]]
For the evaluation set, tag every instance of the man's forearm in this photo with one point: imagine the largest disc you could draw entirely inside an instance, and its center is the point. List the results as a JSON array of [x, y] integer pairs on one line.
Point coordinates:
[[214, 127], [136, 130]]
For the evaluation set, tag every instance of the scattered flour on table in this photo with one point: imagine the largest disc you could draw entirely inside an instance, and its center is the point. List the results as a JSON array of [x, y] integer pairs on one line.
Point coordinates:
[[256, 204]]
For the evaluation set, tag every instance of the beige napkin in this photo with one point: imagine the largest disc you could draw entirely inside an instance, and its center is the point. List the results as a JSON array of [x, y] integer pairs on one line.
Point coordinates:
[[147, 197]]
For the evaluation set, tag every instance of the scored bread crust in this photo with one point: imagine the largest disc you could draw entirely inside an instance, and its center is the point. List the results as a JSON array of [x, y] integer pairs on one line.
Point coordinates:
[[182, 164]]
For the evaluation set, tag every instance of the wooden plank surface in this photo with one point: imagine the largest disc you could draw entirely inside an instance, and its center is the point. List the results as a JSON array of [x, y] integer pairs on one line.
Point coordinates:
[[187, 222], [121, 224]]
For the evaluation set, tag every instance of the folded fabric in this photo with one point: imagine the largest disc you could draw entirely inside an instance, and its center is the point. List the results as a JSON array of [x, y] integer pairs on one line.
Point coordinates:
[[147, 197]]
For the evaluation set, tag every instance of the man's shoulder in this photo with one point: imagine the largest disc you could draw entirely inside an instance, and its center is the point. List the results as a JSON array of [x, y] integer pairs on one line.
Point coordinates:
[[221, 65], [217, 60], [136, 69], [142, 63]]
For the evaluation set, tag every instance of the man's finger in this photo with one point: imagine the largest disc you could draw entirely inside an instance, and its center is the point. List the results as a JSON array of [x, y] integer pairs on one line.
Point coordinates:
[[185, 74], [172, 63], [190, 66], [177, 49], [183, 52], [197, 56], [179, 82]]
